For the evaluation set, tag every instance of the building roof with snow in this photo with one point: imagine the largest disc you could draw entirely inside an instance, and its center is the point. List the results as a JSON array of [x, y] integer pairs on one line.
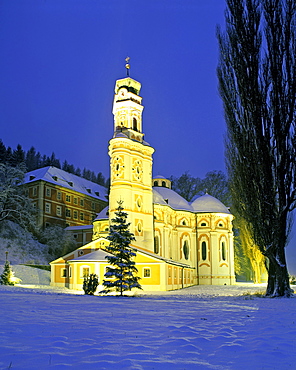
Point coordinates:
[[162, 195], [67, 180], [208, 204]]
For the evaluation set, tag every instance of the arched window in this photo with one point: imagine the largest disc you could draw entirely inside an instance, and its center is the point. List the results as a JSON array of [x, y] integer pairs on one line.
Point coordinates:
[[163, 184], [155, 183], [203, 224], [135, 124], [156, 244], [223, 251], [203, 250], [186, 249]]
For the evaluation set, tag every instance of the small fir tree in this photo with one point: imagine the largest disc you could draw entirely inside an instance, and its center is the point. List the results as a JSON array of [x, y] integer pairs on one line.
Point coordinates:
[[90, 284], [122, 270], [7, 277]]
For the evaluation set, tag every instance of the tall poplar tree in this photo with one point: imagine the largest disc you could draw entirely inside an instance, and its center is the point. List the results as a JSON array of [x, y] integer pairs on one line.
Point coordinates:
[[257, 81], [120, 274]]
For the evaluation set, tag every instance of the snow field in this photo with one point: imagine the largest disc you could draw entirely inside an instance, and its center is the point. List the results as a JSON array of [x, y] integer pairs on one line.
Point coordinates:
[[202, 327]]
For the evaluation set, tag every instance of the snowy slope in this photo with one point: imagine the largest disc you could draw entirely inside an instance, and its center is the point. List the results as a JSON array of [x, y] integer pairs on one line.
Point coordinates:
[[21, 246], [202, 327]]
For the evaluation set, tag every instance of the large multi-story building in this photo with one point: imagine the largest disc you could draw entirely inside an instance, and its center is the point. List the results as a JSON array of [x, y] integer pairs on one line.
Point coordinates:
[[63, 198], [178, 243]]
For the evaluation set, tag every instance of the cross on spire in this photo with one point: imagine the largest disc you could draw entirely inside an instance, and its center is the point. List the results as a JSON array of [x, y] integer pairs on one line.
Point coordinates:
[[127, 65]]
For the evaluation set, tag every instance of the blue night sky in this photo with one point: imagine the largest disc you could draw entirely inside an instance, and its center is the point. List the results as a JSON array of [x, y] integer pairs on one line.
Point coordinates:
[[60, 60]]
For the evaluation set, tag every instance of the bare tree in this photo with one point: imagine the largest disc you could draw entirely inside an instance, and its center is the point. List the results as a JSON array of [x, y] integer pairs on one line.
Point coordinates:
[[257, 80], [14, 204]]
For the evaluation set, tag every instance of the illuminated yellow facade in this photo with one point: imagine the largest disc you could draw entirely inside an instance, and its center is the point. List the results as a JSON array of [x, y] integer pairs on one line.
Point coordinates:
[[178, 243]]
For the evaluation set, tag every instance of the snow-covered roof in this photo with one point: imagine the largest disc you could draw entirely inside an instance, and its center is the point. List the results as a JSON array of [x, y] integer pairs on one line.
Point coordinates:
[[98, 255], [67, 180], [104, 214], [208, 204], [80, 227], [162, 195], [156, 256]]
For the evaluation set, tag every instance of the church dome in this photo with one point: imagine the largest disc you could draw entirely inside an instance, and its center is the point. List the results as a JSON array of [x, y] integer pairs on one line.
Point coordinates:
[[208, 204], [162, 195]]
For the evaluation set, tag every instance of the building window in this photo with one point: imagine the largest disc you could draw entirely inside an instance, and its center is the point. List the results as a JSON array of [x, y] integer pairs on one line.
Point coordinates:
[[156, 244], [85, 271], [59, 195], [82, 202], [223, 251], [70, 271], [68, 198], [93, 206], [64, 273], [47, 207], [48, 192], [147, 272], [75, 215], [203, 250], [135, 124], [139, 227], [155, 183], [59, 211], [203, 224], [186, 249], [75, 200], [68, 212], [163, 184], [81, 216], [35, 190], [75, 236]]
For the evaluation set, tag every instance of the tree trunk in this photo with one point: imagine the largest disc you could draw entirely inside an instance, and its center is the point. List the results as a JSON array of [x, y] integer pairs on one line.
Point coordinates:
[[278, 277]]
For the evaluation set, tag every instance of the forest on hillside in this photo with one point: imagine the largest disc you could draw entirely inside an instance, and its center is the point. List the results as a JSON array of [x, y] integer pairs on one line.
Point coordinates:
[[32, 160]]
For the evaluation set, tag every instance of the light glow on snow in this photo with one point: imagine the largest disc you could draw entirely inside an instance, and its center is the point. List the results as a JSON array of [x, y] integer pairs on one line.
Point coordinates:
[[201, 327]]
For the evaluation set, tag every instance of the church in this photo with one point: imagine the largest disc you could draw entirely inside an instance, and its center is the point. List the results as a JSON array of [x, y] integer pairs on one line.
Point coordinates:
[[178, 244]]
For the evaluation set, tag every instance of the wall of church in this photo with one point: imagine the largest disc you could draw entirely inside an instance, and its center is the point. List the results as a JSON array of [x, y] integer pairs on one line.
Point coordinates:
[[215, 249]]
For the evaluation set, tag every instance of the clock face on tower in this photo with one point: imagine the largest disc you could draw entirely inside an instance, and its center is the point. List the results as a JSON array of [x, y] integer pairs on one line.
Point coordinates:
[[137, 170], [122, 92]]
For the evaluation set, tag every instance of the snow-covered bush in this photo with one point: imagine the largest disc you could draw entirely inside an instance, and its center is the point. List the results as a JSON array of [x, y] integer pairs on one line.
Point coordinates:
[[58, 241], [90, 284]]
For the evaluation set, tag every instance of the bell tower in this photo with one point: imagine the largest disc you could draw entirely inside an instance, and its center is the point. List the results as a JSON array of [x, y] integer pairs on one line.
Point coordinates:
[[131, 163]]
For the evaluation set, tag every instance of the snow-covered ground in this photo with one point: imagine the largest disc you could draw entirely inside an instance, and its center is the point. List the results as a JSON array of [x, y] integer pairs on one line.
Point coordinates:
[[202, 327]]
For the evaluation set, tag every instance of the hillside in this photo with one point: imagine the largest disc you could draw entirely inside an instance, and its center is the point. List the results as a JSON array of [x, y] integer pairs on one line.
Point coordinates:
[[21, 246]]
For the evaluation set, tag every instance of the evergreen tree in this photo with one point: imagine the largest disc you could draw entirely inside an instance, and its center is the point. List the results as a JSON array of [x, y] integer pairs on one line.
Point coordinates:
[[122, 270], [2, 152], [9, 155], [18, 156], [257, 81], [7, 276], [31, 159], [100, 179], [78, 172]]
